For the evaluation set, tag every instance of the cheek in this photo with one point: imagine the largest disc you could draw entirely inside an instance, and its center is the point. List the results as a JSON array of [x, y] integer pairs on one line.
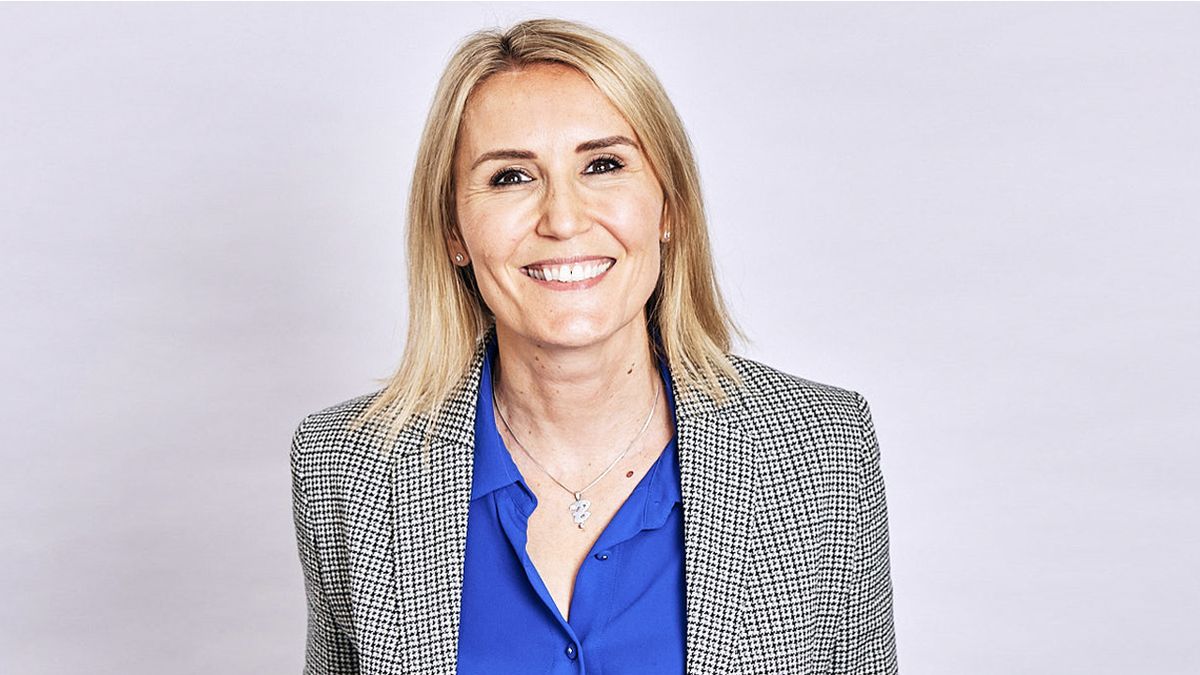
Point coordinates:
[[490, 235], [636, 220]]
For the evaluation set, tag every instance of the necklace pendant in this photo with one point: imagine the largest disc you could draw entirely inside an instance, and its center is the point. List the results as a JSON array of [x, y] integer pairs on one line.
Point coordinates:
[[579, 510]]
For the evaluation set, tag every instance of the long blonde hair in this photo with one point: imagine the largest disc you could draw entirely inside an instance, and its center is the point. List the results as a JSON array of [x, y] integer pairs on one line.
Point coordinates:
[[447, 316]]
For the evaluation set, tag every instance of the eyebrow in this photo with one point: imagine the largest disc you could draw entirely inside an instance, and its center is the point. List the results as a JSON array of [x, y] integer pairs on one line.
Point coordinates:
[[586, 146]]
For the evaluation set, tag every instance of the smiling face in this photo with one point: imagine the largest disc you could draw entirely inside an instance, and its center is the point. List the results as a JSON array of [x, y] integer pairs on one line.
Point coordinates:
[[559, 210]]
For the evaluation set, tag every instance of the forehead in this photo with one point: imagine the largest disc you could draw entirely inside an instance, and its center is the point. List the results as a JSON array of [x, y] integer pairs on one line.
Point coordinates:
[[536, 105]]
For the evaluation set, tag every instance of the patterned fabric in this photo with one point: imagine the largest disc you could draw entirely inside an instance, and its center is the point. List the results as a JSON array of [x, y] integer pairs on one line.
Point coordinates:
[[627, 611], [785, 531]]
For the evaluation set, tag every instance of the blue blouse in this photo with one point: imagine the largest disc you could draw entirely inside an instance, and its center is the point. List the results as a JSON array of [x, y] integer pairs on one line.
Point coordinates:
[[627, 610]]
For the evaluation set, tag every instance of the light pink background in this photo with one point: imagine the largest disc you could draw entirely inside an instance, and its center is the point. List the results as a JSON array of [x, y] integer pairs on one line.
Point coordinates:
[[983, 217]]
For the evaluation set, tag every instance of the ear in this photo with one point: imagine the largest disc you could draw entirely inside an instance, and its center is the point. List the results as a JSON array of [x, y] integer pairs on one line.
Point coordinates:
[[458, 252]]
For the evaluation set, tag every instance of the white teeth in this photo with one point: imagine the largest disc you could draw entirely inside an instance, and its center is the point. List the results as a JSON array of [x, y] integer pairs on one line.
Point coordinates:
[[569, 273]]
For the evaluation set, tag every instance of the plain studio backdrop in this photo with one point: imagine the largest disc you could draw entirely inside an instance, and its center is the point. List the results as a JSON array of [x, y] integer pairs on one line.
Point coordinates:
[[980, 216]]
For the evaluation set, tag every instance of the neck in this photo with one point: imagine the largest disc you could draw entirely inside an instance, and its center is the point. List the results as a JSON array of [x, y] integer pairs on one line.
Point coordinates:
[[577, 408]]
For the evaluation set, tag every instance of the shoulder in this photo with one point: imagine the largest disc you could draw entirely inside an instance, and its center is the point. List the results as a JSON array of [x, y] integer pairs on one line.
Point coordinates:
[[814, 442], [334, 426], [802, 424], [332, 422], [772, 400], [327, 440]]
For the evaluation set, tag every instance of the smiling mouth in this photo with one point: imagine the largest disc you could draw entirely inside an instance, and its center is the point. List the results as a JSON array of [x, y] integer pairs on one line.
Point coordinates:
[[569, 273]]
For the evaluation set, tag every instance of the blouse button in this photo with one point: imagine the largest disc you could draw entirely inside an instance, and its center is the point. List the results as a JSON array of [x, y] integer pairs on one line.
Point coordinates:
[[603, 555], [570, 650]]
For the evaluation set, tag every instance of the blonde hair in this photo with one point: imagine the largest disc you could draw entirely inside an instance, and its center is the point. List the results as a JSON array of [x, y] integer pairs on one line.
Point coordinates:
[[447, 316]]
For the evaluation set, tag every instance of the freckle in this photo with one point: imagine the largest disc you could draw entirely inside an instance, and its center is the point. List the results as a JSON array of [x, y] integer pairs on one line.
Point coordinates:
[[629, 371], [629, 474]]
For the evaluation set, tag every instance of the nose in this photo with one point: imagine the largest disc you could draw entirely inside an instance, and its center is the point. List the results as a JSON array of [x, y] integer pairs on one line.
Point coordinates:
[[564, 214]]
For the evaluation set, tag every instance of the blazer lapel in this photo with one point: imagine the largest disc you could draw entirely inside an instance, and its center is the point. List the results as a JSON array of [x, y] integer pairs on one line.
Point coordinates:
[[429, 525], [716, 467], [430, 532]]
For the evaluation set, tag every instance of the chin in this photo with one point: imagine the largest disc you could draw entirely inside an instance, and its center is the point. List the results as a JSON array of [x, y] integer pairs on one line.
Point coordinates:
[[576, 336], [576, 332]]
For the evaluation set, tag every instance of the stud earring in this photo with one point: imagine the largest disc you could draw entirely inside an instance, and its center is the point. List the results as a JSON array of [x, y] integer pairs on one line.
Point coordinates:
[[458, 257], [667, 235]]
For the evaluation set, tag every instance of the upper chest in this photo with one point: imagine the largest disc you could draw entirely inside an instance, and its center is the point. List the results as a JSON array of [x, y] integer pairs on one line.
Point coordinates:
[[555, 539]]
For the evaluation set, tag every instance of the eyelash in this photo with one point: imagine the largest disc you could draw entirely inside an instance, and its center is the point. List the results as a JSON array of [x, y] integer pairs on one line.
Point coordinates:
[[616, 163]]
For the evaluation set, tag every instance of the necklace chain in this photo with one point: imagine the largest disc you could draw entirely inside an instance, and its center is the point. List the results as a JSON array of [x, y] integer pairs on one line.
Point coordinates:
[[579, 509]]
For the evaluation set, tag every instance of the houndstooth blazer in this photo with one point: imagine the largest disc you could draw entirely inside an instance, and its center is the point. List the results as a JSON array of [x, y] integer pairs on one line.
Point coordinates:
[[785, 533]]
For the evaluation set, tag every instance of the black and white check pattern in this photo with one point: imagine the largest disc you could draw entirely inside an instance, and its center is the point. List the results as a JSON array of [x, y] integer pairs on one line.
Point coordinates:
[[785, 533]]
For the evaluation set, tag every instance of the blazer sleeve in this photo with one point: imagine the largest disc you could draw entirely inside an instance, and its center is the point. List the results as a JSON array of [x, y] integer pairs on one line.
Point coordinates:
[[866, 640], [328, 651]]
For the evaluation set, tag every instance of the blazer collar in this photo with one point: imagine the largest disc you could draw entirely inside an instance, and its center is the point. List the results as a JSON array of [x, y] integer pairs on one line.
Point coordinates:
[[428, 524]]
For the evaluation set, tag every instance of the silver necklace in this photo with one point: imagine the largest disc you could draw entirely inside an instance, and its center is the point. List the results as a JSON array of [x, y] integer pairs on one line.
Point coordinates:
[[579, 509]]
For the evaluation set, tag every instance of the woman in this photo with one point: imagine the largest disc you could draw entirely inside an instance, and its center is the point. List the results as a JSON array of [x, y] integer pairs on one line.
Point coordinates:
[[569, 472]]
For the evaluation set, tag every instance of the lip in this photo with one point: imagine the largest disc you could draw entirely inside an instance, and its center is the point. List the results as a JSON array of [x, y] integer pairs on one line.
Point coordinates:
[[574, 285], [570, 260]]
